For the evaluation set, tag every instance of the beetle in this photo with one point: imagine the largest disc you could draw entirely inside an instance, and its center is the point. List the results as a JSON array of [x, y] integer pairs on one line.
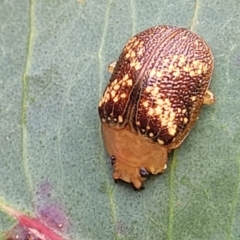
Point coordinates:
[[153, 99]]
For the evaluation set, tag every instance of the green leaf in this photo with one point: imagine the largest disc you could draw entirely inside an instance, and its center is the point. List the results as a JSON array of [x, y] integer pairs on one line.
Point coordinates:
[[53, 65]]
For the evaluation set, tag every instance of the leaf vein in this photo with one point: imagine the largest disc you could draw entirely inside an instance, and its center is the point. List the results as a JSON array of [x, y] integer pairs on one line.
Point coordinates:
[[101, 77], [25, 88], [234, 203], [171, 200], [195, 15], [134, 16]]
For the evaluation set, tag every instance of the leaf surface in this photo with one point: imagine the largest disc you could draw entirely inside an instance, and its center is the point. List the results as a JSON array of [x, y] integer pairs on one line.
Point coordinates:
[[53, 65]]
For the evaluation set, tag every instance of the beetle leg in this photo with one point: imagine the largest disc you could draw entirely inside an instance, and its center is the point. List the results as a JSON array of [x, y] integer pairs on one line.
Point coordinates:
[[112, 159], [111, 66], [143, 172], [208, 98], [164, 168], [137, 189]]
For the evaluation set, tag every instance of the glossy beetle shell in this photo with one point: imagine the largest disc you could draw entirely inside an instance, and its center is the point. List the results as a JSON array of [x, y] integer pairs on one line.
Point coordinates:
[[153, 99]]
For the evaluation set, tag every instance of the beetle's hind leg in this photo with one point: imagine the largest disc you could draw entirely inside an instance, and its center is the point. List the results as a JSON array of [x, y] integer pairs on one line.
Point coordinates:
[[111, 66], [208, 98]]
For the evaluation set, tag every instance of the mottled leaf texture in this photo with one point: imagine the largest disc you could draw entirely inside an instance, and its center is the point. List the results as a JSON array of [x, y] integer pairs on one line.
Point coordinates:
[[55, 177]]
